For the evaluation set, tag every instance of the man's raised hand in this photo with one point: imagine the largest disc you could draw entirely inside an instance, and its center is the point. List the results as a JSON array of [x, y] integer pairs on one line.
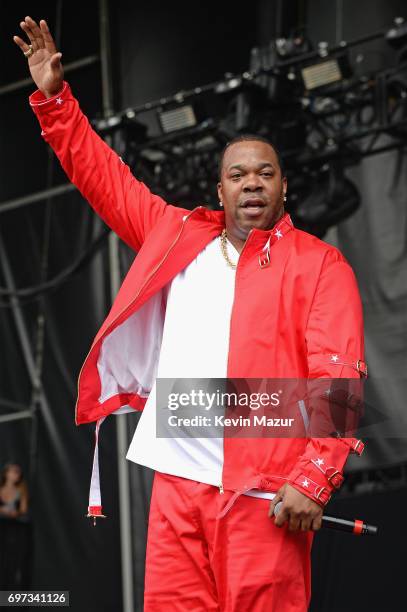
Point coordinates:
[[45, 61]]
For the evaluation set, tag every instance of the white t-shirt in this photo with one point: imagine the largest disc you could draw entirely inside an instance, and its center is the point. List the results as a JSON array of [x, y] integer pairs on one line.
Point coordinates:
[[195, 344]]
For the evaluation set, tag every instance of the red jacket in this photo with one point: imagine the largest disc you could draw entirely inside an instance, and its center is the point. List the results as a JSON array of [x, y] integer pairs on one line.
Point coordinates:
[[295, 298]]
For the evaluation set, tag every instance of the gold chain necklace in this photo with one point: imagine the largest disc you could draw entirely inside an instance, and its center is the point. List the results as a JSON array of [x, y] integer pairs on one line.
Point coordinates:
[[224, 249]]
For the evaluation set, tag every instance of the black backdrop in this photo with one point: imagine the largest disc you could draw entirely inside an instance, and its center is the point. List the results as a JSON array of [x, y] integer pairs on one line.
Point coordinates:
[[69, 554]]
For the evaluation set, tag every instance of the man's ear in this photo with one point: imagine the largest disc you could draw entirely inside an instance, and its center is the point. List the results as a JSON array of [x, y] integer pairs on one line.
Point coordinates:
[[219, 187]]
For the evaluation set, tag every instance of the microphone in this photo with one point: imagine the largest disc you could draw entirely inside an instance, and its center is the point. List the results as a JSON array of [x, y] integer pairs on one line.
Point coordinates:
[[356, 527]]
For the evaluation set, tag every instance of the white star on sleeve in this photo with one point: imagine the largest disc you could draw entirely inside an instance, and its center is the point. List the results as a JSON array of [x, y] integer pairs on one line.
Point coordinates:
[[334, 358], [320, 461], [305, 483]]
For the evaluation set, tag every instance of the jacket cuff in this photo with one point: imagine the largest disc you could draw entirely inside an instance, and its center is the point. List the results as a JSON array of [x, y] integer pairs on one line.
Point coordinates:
[[314, 490], [316, 480], [315, 476], [38, 98], [51, 112]]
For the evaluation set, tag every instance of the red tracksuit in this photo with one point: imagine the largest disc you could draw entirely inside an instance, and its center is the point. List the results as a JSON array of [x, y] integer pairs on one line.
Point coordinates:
[[299, 305]]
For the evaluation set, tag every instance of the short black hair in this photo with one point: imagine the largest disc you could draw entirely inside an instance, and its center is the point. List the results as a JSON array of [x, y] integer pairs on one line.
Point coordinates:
[[248, 138]]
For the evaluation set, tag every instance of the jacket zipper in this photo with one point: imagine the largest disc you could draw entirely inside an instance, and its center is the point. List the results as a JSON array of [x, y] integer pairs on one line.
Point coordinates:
[[184, 220], [221, 489]]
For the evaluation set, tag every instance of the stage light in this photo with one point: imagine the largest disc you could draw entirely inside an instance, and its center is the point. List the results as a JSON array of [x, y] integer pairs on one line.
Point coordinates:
[[397, 35], [177, 119], [326, 72], [321, 74], [305, 100]]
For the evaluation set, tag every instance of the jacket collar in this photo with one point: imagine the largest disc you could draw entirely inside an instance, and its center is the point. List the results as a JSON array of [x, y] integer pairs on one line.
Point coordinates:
[[280, 229], [259, 239]]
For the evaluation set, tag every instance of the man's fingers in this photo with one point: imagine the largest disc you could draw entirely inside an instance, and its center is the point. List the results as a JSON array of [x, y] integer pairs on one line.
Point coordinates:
[[48, 40], [293, 523], [36, 32], [21, 43], [56, 60], [276, 499], [27, 30], [39, 37], [306, 524], [317, 523], [281, 517]]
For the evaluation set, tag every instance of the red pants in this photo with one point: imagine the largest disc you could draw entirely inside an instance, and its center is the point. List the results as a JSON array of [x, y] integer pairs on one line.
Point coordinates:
[[239, 563]]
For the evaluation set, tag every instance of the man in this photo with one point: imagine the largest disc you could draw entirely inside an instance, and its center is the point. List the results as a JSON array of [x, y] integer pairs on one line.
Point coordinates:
[[239, 294]]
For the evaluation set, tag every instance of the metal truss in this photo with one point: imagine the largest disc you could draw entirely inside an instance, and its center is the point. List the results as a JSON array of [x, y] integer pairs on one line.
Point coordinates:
[[311, 104], [11, 410]]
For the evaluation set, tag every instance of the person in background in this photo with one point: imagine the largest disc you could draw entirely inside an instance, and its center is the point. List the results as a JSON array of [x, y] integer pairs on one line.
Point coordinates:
[[13, 492], [15, 529]]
